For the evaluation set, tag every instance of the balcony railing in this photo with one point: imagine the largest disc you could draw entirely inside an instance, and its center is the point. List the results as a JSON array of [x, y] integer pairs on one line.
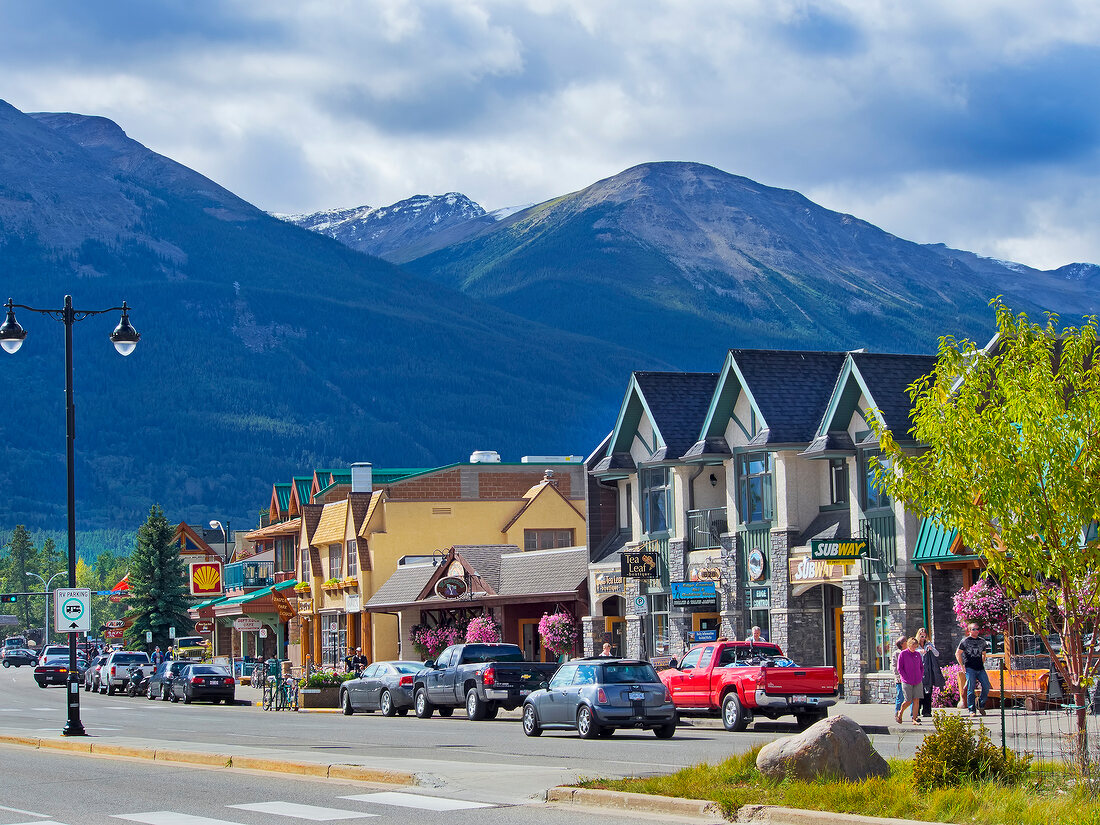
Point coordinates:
[[249, 574], [705, 527], [882, 543]]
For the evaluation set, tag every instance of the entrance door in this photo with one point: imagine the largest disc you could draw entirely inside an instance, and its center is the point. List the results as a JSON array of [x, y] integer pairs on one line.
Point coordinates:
[[615, 625], [838, 625], [530, 641], [832, 600]]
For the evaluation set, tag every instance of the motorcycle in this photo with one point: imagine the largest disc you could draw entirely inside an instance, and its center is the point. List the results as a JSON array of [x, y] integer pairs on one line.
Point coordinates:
[[138, 681]]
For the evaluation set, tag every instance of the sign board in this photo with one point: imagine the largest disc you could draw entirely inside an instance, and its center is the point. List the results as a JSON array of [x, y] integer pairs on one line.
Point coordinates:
[[641, 605], [171, 633], [451, 587], [334, 627], [704, 636], [246, 625], [804, 570], [837, 549], [204, 627], [115, 598], [206, 578], [710, 574], [263, 632], [694, 594], [148, 636], [113, 633], [72, 610], [638, 564], [352, 603], [758, 598], [5, 619], [284, 607], [609, 584], [115, 624]]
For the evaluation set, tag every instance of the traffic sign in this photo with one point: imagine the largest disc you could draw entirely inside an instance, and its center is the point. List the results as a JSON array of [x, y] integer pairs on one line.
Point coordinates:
[[641, 605], [148, 636], [73, 610], [263, 632], [171, 633]]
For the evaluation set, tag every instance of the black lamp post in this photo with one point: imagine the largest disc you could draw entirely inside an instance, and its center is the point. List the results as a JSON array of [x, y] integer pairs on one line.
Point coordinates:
[[125, 338]]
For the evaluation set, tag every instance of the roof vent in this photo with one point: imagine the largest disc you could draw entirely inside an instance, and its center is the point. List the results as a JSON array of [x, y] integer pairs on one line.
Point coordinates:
[[485, 457]]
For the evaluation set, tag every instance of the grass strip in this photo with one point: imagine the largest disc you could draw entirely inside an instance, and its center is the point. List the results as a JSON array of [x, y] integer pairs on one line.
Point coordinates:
[[1043, 798]]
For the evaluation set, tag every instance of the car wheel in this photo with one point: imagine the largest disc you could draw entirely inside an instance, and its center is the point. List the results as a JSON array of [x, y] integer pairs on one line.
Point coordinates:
[[7, 663], [110, 690], [186, 698], [174, 697], [149, 693], [475, 708], [531, 725], [586, 723], [733, 714], [492, 710], [805, 720], [446, 711], [345, 703], [87, 687], [424, 708], [665, 731], [385, 704]]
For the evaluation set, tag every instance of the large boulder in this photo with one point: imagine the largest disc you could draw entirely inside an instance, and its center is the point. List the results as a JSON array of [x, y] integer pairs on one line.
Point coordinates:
[[836, 746]]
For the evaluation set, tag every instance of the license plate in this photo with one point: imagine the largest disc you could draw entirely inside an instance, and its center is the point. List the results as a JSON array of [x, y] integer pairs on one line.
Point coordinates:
[[524, 692], [636, 696], [215, 681], [803, 699]]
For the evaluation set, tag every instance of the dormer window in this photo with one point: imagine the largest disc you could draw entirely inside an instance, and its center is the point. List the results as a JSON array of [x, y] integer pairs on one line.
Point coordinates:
[[656, 500]]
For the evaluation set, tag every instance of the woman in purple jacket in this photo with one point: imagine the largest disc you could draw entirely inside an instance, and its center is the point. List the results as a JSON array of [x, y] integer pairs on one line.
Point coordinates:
[[911, 670]]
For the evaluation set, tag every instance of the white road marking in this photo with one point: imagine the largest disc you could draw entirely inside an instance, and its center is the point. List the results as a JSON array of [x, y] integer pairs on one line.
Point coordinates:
[[312, 812], [38, 821], [171, 818], [415, 800], [18, 811]]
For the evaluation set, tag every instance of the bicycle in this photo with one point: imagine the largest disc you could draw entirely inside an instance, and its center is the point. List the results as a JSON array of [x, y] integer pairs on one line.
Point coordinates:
[[280, 693]]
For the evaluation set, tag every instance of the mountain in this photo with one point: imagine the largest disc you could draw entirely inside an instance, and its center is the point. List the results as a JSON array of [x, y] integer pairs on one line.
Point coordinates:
[[266, 350], [405, 230]]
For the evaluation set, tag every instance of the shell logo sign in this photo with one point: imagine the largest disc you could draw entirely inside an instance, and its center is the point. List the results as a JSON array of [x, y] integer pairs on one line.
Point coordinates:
[[206, 578]]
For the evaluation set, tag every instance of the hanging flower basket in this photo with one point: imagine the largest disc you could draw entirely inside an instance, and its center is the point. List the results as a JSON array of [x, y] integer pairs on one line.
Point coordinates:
[[558, 632], [484, 630], [984, 603], [429, 642]]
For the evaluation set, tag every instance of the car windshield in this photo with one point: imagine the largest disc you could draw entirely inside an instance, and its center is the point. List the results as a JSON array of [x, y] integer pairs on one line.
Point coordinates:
[[130, 659], [629, 674], [208, 670], [408, 667], [480, 654]]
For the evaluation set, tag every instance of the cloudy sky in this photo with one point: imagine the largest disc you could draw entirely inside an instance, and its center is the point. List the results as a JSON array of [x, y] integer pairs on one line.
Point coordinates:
[[972, 123]]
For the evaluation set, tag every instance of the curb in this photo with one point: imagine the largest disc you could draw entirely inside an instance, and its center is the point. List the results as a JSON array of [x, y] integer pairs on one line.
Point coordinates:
[[342, 770], [775, 815]]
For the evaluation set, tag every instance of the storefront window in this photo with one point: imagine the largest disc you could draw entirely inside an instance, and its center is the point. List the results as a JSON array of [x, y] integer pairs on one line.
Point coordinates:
[[657, 637], [754, 480], [761, 619], [879, 630], [334, 639], [656, 500]]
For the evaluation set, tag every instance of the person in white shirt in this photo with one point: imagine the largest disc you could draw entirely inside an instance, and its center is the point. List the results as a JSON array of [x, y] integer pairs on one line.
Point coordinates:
[[757, 636]]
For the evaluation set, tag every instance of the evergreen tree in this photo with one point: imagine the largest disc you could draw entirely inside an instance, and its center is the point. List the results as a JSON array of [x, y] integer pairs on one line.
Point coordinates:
[[21, 559], [158, 585]]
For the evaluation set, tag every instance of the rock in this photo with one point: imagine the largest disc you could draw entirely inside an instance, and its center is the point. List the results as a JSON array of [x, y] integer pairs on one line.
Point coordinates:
[[836, 746]]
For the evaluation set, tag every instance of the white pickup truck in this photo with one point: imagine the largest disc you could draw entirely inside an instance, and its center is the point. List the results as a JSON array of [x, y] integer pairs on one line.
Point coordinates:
[[115, 673]]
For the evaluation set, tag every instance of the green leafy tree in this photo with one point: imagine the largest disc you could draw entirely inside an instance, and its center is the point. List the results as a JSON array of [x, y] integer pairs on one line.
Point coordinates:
[[158, 587], [1012, 462]]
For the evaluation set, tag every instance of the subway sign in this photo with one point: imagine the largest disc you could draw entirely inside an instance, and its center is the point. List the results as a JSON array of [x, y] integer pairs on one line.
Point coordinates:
[[837, 549]]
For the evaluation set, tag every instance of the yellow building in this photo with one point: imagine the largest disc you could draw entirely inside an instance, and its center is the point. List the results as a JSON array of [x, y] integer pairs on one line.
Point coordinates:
[[355, 533]]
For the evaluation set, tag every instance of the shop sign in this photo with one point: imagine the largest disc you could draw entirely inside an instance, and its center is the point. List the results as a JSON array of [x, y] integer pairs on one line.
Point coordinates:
[[116, 624], [837, 549], [638, 564], [609, 584], [694, 594], [204, 627], [247, 625], [805, 570], [113, 633], [282, 605], [206, 578], [756, 565], [451, 587], [759, 598], [351, 603], [704, 635], [305, 606], [708, 574]]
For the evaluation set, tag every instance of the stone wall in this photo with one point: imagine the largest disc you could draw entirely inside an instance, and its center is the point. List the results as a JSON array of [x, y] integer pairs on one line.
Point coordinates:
[[945, 630], [856, 642], [780, 585]]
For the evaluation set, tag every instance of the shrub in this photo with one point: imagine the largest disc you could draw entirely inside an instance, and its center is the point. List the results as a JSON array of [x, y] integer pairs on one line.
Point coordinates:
[[957, 751], [325, 678], [483, 629]]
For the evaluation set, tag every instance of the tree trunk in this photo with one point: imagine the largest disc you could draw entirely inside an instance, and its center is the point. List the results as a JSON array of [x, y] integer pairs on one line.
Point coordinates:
[[1081, 738]]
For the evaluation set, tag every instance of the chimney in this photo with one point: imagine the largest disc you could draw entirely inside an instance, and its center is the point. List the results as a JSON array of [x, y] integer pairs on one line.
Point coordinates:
[[362, 477]]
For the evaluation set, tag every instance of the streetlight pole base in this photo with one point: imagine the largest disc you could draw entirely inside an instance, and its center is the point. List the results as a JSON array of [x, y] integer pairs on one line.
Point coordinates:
[[73, 727]]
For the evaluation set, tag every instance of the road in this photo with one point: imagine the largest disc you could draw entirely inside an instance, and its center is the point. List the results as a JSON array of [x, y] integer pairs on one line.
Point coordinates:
[[490, 761]]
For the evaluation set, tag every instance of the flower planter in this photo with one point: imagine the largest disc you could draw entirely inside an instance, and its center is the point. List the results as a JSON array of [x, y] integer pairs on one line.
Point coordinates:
[[324, 697]]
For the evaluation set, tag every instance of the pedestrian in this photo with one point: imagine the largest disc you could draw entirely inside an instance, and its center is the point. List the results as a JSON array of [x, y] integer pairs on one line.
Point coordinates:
[[970, 654], [756, 636], [158, 657], [606, 649], [911, 670], [933, 674], [899, 696], [349, 661], [359, 661]]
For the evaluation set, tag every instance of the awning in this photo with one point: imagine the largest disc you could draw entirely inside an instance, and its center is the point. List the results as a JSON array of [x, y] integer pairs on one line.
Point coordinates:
[[936, 544], [257, 594], [333, 525], [283, 528]]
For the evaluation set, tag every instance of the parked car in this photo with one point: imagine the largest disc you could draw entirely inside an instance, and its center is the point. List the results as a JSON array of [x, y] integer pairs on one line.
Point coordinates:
[[742, 680], [597, 695], [53, 670], [481, 677], [210, 683], [18, 656], [384, 686], [115, 672], [162, 678], [53, 650], [91, 673]]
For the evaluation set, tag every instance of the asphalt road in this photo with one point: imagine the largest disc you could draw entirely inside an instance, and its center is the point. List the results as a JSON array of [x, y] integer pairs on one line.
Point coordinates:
[[488, 761]]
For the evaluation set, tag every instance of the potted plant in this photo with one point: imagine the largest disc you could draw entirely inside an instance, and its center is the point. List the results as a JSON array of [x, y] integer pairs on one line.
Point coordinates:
[[984, 603], [302, 588], [321, 689], [350, 582], [331, 584], [431, 641], [558, 632]]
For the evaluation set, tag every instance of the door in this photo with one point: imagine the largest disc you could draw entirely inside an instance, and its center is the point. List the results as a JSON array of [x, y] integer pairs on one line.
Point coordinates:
[[552, 706], [679, 680], [433, 679], [838, 625], [616, 627], [530, 640], [697, 681]]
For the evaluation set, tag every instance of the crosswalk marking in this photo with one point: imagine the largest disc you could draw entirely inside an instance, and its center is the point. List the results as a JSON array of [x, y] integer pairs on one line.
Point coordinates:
[[415, 800], [170, 818], [21, 811], [313, 812], [39, 822]]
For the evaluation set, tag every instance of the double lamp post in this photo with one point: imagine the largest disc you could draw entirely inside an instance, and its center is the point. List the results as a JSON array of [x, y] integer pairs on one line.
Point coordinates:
[[125, 338]]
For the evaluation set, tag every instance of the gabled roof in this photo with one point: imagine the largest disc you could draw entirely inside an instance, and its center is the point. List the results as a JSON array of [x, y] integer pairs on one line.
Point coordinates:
[[283, 528], [311, 517], [280, 501], [562, 570], [299, 494], [403, 587], [534, 494], [675, 404], [332, 526], [190, 543]]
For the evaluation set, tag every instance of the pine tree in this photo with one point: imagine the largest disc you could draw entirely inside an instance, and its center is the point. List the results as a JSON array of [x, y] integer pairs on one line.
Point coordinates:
[[22, 558], [158, 586]]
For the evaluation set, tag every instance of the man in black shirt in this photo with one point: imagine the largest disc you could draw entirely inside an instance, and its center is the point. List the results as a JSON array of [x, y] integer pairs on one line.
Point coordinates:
[[971, 655]]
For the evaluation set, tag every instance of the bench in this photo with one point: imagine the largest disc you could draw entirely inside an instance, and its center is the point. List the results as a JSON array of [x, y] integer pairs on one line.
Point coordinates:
[[1030, 685]]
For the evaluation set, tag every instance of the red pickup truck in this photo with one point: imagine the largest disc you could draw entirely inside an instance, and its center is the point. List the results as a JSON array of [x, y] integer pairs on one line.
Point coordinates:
[[743, 680]]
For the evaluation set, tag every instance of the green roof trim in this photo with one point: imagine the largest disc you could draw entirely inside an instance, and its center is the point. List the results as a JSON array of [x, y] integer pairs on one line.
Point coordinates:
[[206, 603], [282, 493], [259, 594], [934, 544]]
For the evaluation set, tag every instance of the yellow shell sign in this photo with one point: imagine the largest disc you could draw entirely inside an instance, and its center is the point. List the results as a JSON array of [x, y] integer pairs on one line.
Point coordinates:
[[206, 578]]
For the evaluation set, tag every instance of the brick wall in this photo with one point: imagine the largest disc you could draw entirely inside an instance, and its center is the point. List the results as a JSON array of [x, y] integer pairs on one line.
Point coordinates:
[[482, 482]]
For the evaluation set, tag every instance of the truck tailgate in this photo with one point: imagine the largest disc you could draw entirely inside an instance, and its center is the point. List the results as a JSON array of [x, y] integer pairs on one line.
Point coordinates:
[[787, 681], [522, 675]]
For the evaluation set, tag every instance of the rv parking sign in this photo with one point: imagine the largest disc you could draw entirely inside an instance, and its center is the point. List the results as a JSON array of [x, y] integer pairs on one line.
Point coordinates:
[[72, 611]]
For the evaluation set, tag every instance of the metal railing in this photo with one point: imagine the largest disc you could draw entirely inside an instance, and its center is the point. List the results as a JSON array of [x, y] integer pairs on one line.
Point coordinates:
[[882, 543], [705, 527], [246, 574], [660, 547]]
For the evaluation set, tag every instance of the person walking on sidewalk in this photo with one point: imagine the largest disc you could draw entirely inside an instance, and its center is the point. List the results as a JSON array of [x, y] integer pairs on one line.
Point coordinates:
[[933, 675], [970, 654], [899, 697], [911, 670]]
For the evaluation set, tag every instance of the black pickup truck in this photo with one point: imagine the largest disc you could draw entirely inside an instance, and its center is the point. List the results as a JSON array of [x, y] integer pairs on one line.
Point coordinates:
[[481, 677]]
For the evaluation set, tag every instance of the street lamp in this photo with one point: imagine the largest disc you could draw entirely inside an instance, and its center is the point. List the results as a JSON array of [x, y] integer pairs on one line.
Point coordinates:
[[217, 525], [46, 593], [125, 338]]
